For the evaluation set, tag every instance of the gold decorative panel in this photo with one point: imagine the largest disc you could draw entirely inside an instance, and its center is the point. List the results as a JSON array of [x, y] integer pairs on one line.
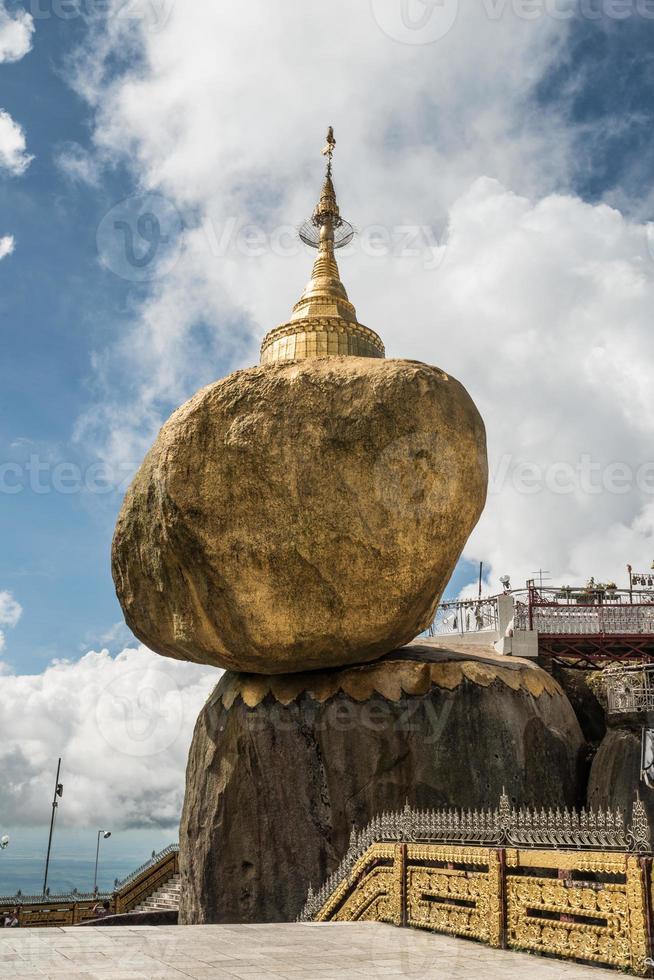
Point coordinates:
[[454, 890], [584, 905], [578, 914], [371, 892]]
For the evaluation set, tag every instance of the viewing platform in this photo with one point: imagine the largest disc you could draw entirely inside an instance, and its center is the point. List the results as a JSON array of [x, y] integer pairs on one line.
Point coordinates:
[[298, 950], [576, 627]]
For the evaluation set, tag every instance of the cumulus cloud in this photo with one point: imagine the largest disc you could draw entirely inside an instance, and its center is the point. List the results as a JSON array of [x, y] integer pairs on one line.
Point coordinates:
[[122, 726], [174, 118], [7, 245], [548, 302], [78, 164], [10, 613], [13, 154], [469, 256], [16, 30]]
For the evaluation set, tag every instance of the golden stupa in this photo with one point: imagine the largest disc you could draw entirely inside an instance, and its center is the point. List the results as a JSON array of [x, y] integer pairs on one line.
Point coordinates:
[[323, 320]]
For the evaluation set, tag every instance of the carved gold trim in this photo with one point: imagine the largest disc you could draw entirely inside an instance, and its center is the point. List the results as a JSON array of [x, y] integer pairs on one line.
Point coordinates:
[[459, 890], [316, 336], [392, 679], [638, 931], [369, 877], [459, 901]]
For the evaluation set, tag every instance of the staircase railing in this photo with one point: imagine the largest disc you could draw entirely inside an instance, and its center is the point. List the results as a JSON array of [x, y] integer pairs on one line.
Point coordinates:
[[73, 907]]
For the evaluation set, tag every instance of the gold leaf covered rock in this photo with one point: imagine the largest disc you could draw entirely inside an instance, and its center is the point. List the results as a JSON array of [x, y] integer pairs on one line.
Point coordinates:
[[307, 513], [301, 515]]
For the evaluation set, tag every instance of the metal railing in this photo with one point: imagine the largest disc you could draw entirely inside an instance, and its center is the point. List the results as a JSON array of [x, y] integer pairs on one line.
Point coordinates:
[[465, 616], [154, 860], [630, 689], [555, 619], [592, 905], [505, 825], [74, 907]]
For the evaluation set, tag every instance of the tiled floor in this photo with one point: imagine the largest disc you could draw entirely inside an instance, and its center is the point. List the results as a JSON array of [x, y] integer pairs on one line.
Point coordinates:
[[267, 951]]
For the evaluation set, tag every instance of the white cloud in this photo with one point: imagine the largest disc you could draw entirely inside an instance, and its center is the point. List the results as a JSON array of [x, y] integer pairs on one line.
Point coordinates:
[[16, 30], [122, 726], [10, 610], [13, 155], [10, 613], [78, 164], [225, 115], [549, 303], [7, 245], [538, 302]]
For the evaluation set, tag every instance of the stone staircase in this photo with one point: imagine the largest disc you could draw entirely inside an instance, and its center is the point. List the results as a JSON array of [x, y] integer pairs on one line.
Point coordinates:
[[165, 898]]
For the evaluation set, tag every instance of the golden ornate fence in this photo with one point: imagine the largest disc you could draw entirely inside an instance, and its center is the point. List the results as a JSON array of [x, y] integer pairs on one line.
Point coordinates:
[[579, 887], [591, 906]]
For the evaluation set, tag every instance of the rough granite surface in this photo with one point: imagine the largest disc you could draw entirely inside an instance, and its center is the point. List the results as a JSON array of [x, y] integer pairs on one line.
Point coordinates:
[[273, 790], [615, 774], [301, 515]]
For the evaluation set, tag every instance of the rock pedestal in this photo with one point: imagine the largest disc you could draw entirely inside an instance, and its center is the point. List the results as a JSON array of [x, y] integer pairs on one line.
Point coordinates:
[[615, 773], [282, 767]]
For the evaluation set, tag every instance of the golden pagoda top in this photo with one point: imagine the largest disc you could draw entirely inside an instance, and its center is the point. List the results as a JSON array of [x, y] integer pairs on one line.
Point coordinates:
[[323, 321]]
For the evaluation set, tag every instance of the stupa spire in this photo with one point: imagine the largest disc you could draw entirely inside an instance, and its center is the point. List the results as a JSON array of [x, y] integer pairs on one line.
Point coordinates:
[[323, 321]]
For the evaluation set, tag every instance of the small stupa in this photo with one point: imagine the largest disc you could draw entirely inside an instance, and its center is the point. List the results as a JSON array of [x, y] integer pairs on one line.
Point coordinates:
[[323, 320]]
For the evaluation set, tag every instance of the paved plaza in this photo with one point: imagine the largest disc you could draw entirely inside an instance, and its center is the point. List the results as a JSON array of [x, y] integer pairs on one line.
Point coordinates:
[[266, 951]]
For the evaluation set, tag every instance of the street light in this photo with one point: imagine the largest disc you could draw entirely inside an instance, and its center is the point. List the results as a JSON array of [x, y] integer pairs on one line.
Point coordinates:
[[58, 792], [105, 834]]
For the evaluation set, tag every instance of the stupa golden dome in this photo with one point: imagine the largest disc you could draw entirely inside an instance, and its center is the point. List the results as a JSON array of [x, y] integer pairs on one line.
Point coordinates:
[[323, 321]]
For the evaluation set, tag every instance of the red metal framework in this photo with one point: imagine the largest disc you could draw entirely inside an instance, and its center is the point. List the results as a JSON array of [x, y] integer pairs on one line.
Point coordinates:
[[591, 632], [595, 652]]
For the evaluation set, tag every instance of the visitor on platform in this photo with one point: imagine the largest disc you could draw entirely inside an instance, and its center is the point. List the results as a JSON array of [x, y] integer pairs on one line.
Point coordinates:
[[11, 919]]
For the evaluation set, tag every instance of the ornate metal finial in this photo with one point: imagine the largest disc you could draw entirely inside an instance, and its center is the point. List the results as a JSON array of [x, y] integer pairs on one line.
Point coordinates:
[[323, 322], [638, 834], [325, 224], [328, 149]]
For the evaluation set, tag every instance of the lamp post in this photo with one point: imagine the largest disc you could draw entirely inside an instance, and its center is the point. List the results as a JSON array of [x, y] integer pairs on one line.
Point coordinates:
[[105, 834], [58, 793]]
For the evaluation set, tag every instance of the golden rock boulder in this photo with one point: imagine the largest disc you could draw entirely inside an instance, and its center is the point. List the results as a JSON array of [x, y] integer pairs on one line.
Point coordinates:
[[301, 515]]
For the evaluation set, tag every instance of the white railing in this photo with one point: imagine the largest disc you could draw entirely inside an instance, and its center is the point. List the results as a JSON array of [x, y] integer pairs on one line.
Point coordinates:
[[630, 689], [578, 619], [467, 616]]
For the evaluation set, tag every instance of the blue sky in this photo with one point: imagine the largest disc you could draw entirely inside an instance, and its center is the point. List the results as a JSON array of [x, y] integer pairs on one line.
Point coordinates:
[[58, 305], [522, 148]]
